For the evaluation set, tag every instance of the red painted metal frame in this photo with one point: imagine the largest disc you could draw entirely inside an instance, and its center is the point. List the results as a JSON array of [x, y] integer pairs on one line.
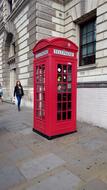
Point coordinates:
[[44, 54]]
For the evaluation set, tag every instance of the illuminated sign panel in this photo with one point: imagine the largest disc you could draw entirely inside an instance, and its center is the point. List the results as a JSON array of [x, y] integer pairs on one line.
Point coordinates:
[[41, 53], [63, 52]]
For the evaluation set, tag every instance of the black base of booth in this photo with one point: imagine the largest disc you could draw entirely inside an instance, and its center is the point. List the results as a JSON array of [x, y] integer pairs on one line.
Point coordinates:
[[52, 137]]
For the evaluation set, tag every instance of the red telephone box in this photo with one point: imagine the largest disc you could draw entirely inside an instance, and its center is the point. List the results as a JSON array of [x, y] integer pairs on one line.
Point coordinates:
[[55, 81]]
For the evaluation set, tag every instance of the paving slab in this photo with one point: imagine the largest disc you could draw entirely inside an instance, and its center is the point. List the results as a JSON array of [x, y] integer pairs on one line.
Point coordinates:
[[10, 176], [95, 184], [36, 167], [20, 154], [62, 181]]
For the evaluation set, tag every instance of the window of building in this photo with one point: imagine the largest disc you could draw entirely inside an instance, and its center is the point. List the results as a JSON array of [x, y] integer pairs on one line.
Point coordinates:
[[87, 42], [1, 10], [10, 5], [12, 50]]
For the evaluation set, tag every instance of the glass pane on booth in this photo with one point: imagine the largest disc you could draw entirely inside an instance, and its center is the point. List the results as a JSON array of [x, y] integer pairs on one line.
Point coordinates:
[[63, 115], [58, 115], [64, 69], [40, 91], [64, 97], [64, 91], [69, 114]]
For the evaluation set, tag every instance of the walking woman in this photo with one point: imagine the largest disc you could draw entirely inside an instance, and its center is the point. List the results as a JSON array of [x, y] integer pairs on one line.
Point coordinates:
[[18, 92], [1, 93]]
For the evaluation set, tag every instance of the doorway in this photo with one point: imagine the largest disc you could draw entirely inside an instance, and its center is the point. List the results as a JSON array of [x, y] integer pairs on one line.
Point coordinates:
[[12, 81]]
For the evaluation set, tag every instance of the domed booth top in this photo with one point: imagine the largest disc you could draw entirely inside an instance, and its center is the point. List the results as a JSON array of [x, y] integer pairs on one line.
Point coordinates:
[[55, 76], [56, 42]]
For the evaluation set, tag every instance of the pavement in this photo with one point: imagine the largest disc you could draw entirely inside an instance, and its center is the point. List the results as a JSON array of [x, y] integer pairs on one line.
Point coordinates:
[[28, 161]]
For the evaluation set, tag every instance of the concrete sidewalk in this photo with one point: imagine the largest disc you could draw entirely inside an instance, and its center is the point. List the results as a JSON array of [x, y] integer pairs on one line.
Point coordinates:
[[30, 162]]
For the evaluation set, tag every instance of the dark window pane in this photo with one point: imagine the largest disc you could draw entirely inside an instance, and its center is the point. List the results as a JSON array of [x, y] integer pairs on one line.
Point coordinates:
[[69, 87], [37, 96], [43, 96], [84, 50], [88, 60], [90, 48], [59, 97], [84, 38], [64, 78], [83, 30], [90, 27], [37, 88], [58, 115], [43, 114], [40, 70], [69, 97], [90, 37], [64, 97], [37, 113], [37, 70], [37, 105], [63, 115], [37, 78], [41, 79], [69, 114], [40, 89], [64, 69], [69, 105], [69, 68], [88, 43], [69, 77], [42, 105], [64, 87], [59, 106], [94, 47], [64, 106], [43, 70], [59, 68]]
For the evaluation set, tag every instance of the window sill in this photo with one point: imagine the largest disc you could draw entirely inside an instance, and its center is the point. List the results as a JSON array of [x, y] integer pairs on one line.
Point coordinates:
[[86, 67]]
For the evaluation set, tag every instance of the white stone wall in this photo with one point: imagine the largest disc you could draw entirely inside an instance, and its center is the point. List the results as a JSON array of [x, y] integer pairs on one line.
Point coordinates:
[[28, 99], [50, 19], [101, 37], [22, 54], [91, 102], [58, 19], [72, 12], [21, 23], [92, 106], [97, 72], [1, 57]]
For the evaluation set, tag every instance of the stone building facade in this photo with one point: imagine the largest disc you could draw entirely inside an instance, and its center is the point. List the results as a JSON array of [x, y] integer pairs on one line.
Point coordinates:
[[24, 22]]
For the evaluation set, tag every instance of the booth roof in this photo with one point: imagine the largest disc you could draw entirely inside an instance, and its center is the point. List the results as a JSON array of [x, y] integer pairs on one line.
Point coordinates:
[[55, 41]]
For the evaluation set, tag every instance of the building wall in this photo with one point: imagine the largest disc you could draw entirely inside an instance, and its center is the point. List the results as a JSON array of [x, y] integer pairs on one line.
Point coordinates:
[[37, 20], [1, 57], [29, 22], [91, 96], [92, 106]]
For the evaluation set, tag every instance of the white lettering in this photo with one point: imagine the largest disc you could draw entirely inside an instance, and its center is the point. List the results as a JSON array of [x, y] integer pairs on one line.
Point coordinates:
[[63, 52], [41, 53]]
